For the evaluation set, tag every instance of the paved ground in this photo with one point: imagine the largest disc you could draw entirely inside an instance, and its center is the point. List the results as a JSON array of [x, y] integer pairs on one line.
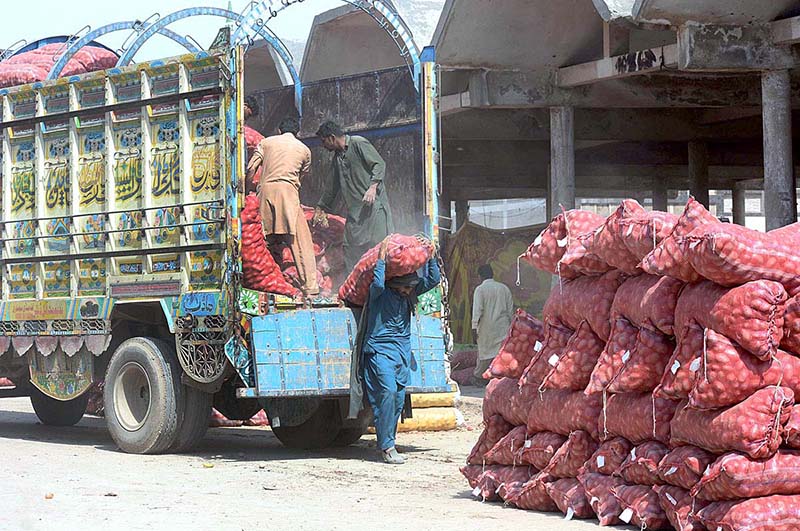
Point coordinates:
[[241, 478]]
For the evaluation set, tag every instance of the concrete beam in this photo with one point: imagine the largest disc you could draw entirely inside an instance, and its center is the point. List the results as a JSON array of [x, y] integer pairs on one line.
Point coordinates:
[[630, 64], [786, 32], [707, 47]]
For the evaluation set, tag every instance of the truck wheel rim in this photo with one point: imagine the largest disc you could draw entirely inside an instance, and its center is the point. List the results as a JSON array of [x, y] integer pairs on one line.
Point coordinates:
[[132, 396]]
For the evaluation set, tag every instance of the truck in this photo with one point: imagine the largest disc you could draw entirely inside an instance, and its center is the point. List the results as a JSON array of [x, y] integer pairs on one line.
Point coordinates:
[[121, 263]]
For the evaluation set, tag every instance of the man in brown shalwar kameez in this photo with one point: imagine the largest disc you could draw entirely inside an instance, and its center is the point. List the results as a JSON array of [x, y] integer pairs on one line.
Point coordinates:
[[286, 161]]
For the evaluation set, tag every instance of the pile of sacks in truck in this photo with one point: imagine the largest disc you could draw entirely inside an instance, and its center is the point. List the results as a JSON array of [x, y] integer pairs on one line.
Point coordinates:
[[659, 387]]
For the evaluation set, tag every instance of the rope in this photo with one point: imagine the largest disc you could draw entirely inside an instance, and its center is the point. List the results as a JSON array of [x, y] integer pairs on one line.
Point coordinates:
[[705, 355], [519, 279]]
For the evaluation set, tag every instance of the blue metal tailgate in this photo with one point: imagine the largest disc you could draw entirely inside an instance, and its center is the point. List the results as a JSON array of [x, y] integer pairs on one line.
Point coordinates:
[[307, 353]]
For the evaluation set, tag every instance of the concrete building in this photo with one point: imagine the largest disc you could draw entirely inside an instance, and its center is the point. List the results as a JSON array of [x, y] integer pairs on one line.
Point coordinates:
[[617, 98]]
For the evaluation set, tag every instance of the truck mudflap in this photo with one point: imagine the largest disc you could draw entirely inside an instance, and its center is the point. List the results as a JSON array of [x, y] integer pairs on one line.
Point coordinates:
[[307, 353]]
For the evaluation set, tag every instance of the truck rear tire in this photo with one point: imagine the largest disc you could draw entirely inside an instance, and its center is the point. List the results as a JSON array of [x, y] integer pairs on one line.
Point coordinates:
[[319, 431], [351, 434], [52, 412], [194, 422], [143, 396]]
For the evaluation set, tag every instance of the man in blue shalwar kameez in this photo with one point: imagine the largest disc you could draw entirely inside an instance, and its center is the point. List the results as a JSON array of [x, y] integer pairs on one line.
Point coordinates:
[[387, 346]]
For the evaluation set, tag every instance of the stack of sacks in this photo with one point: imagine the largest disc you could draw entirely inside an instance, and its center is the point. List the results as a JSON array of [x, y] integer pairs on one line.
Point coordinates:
[[694, 342], [432, 412], [35, 65], [328, 252]]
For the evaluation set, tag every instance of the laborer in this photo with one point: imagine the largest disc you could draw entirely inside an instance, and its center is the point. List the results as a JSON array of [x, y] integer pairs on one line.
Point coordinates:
[[251, 139], [492, 311], [285, 162], [358, 176], [387, 346]]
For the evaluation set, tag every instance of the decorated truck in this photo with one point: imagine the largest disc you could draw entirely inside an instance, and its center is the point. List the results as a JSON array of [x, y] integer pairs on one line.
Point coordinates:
[[121, 262]]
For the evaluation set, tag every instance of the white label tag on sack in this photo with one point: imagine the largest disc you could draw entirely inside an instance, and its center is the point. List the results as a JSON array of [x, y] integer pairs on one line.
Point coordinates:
[[538, 240], [537, 347], [633, 453], [672, 500], [627, 515], [594, 501], [719, 528], [476, 491], [626, 356], [553, 360], [675, 367], [601, 461], [570, 514], [694, 244], [707, 470], [564, 242], [528, 443], [671, 471], [695, 366]]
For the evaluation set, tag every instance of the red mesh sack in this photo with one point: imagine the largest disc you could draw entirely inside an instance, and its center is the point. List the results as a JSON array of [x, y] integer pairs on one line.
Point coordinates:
[[405, 254], [506, 450], [570, 457], [645, 366], [564, 412], [584, 298], [509, 489], [753, 427], [619, 347], [598, 490], [549, 247], [648, 301], [684, 466], [638, 417], [533, 495], [735, 476], [251, 139], [472, 473], [608, 241], [641, 465], [732, 255], [679, 507], [609, 457], [12, 75], [791, 432], [729, 374], [463, 376], [491, 481], [670, 257], [643, 233], [259, 419], [523, 341], [751, 315], [496, 428], [504, 397], [464, 360], [573, 369], [640, 507], [569, 496], [555, 341], [773, 513], [540, 449], [682, 368], [581, 259], [218, 420], [791, 326], [259, 270]]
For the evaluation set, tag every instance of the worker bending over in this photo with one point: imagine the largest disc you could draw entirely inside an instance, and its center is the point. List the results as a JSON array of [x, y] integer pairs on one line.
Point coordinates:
[[387, 346], [357, 175], [286, 162]]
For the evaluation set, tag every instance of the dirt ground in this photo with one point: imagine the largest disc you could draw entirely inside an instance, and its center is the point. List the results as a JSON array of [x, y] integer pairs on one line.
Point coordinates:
[[242, 478]]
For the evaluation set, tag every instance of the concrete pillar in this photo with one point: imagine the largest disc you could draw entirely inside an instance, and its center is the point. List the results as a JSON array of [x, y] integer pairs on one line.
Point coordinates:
[[660, 201], [780, 196], [739, 213], [698, 171], [462, 214], [562, 159]]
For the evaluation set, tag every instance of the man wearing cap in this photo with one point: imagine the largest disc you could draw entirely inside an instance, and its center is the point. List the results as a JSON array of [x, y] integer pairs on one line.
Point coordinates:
[[387, 345]]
